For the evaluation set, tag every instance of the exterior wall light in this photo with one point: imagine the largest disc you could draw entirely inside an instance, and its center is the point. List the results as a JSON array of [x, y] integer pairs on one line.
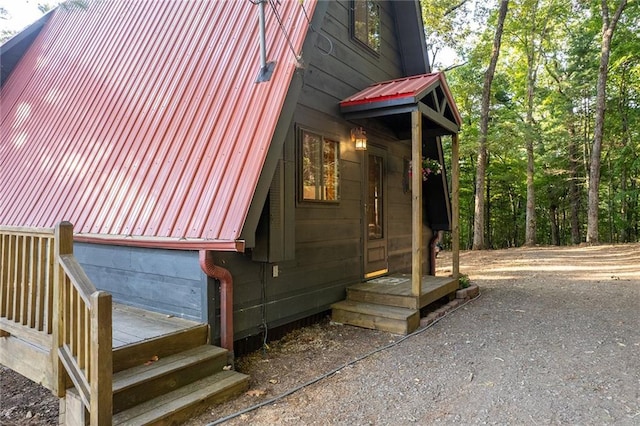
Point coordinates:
[[359, 137]]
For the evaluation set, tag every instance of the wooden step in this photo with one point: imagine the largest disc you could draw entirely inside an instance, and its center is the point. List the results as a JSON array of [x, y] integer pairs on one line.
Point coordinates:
[[158, 376], [135, 354], [182, 403], [366, 295], [378, 317]]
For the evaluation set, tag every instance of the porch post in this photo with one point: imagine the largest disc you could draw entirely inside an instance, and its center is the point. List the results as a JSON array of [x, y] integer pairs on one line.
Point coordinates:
[[455, 205], [416, 202]]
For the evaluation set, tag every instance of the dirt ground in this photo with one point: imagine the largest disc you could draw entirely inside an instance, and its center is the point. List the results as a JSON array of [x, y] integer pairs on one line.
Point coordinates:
[[553, 339]]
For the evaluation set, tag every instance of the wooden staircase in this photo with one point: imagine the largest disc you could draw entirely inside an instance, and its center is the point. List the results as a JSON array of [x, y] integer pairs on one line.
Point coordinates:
[[164, 380], [387, 304]]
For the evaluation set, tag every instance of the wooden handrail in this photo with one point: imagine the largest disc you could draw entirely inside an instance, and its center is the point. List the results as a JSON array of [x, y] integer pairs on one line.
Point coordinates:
[[84, 332]]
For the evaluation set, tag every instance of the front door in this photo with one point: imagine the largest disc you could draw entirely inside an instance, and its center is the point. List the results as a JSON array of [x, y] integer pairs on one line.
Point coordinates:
[[375, 231]]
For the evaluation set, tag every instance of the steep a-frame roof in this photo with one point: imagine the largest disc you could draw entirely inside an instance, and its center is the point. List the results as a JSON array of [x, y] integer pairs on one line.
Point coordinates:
[[141, 121]]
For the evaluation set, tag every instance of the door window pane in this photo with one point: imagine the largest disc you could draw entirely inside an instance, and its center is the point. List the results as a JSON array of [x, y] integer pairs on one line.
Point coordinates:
[[375, 198]]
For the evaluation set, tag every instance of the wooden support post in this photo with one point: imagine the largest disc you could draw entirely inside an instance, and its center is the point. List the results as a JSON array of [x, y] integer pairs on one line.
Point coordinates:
[[63, 242], [416, 203], [101, 359], [455, 204]]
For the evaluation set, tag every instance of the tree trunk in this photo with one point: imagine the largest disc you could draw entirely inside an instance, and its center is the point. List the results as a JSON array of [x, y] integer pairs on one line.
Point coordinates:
[[555, 228], [608, 28], [574, 191], [625, 232], [479, 240]]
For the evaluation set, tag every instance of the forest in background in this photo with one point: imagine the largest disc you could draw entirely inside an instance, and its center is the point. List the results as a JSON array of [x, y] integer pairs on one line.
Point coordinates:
[[541, 119]]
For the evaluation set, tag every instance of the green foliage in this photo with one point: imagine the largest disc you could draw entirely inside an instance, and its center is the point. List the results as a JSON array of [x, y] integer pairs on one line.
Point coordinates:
[[464, 281], [567, 38]]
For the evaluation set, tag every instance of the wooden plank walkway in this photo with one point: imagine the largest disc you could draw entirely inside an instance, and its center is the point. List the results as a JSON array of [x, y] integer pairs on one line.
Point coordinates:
[[133, 325]]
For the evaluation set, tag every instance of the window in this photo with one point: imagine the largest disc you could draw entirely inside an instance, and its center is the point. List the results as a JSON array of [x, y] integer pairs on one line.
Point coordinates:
[[319, 167], [366, 23]]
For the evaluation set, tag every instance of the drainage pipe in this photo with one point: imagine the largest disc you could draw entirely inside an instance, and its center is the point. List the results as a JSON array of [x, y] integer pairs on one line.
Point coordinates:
[[226, 297]]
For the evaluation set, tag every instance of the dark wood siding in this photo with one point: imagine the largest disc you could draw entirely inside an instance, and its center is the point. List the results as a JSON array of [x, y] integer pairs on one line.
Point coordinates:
[[328, 236], [167, 281]]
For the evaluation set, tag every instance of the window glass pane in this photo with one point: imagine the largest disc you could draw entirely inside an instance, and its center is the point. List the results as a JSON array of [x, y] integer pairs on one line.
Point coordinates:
[[330, 159], [374, 26], [319, 170], [360, 20], [311, 166], [366, 23]]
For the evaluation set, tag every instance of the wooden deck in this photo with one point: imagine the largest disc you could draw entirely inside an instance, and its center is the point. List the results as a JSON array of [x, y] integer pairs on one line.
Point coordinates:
[[133, 325], [395, 290], [386, 303], [58, 330]]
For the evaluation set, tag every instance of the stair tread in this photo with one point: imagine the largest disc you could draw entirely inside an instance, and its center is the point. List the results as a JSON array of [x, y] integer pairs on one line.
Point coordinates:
[[138, 353], [142, 373], [191, 395], [392, 312]]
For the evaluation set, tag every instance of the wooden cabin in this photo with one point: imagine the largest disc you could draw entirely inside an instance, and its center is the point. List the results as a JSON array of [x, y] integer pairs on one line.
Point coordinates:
[[228, 168]]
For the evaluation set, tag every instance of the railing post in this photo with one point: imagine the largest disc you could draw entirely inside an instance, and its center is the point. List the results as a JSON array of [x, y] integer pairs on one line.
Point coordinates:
[[455, 205], [101, 410], [416, 203], [63, 241]]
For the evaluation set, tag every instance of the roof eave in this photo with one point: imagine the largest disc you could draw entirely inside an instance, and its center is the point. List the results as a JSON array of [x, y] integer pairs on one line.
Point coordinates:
[[12, 51], [162, 243]]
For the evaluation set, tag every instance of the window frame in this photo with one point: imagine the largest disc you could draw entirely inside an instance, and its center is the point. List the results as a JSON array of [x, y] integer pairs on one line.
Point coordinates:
[[354, 36], [300, 134]]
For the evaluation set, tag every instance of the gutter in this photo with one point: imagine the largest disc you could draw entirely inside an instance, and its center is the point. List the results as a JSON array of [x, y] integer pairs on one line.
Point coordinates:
[[226, 298]]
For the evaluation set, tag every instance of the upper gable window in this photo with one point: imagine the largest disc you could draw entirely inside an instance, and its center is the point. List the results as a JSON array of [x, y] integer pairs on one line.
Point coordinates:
[[365, 23]]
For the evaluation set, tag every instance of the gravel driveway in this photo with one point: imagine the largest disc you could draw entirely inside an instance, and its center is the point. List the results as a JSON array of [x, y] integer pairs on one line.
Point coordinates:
[[554, 338]]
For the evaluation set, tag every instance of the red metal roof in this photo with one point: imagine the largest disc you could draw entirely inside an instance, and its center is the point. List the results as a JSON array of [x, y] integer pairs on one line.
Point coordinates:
[[141, 122], [408, 89]]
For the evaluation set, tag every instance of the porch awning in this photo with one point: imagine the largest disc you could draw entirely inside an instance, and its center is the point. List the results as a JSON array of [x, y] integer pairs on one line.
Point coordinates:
[[393, 99]]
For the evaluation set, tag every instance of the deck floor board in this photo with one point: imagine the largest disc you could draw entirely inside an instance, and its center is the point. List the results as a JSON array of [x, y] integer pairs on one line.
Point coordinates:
[[396, 290], [132, 325]]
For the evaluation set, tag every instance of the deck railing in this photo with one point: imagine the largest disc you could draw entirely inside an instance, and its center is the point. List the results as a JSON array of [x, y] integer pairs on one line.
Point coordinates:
[[26, 284], [47, 300]]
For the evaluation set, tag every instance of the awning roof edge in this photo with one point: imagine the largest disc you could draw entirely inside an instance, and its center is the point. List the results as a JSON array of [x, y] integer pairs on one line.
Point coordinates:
[[403, 95]]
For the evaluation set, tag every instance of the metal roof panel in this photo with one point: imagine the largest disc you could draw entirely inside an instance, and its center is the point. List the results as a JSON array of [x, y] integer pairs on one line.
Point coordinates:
[[399, 91], [142, 119]]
